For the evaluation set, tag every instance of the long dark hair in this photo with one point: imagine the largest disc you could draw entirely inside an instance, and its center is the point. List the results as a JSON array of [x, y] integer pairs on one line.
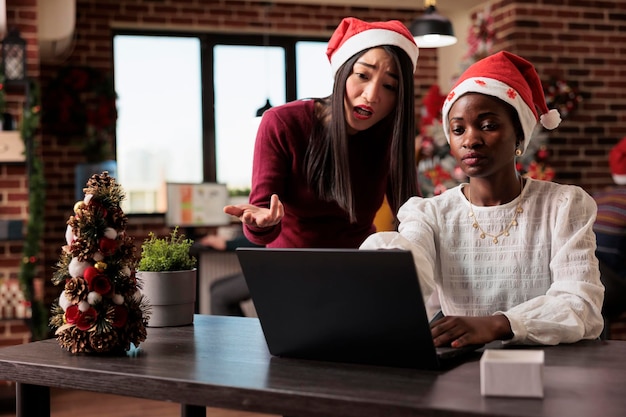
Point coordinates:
[[326, 164]]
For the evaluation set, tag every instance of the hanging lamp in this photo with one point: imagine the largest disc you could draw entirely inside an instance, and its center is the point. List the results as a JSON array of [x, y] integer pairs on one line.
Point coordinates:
[[262, 110], [432, 30], [266, 44]]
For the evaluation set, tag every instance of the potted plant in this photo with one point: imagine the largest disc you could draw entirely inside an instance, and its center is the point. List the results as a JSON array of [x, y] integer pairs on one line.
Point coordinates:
[[167, 272]]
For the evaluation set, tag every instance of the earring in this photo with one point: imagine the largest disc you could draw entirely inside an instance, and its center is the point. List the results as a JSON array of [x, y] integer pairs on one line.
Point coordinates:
[[518, 152]]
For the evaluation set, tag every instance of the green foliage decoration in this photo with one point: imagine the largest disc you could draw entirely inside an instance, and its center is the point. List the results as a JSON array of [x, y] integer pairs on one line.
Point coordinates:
[[2, 94], [35, 221], [170, 253]]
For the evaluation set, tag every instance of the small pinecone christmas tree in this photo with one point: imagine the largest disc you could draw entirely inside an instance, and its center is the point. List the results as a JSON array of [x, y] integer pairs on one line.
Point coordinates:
[[101, 308]]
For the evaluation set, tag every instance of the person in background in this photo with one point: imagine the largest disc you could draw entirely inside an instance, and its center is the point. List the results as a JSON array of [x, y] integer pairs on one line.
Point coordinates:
[[229, 292], [510, 258], [322, 167], [610, 229], [219, 242], [610, 226]]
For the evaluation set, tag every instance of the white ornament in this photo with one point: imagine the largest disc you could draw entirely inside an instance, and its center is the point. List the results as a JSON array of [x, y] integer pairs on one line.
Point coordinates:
[[94, 298], [110, 233], [118, 299], [69, 235], [64, 301], [83, 306], [77, 268]]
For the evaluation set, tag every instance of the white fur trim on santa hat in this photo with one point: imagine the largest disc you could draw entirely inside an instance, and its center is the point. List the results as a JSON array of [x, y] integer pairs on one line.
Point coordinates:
[[369, 39], [495, 88], [551, 120], [619, 179]]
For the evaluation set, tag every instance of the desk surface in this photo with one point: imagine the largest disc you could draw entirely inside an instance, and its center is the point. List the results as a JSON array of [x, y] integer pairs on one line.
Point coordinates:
[[224, 362]]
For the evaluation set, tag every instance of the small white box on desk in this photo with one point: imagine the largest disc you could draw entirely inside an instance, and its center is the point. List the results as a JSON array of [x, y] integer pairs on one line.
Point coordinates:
[[512, 373]]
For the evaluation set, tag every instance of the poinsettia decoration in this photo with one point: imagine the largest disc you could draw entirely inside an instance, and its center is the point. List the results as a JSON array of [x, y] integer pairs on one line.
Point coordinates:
[[101, 308], [437, 169], [81, 105], [534, 163], [480, 36]]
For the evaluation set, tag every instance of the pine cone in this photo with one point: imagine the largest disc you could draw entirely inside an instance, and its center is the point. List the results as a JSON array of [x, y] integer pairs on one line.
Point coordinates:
[[135, 333], [80, 249], [118, 218], [74, 340], [99, 181], [76, 289], [104, 341]]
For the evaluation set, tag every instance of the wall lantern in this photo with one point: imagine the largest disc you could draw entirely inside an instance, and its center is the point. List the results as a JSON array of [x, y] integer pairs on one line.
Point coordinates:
[[432, 30], [14, 58]]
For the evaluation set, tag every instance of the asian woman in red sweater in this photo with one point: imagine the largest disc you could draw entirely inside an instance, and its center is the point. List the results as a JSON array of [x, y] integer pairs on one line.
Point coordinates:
[[322, 167]]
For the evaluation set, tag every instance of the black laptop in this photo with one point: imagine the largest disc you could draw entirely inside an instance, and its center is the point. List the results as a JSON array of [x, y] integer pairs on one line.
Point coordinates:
[[343, 305]]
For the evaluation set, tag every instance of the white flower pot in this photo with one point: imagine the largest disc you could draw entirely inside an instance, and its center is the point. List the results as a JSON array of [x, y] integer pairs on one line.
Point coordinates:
[[171, 295]]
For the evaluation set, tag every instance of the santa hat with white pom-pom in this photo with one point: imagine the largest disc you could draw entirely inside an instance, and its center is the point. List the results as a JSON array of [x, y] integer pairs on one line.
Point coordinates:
[[512, 79]]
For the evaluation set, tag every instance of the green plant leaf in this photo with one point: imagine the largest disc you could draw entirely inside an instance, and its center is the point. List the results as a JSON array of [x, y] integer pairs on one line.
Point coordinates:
[[170, 253]]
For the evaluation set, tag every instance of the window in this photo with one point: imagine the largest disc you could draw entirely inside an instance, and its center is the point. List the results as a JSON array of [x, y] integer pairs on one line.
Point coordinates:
[[159, 126], [187, 105], [240, 90], [313, 75]]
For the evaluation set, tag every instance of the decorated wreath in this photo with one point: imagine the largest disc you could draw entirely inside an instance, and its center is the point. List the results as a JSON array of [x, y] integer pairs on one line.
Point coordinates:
[[562, 96], [81, 105]]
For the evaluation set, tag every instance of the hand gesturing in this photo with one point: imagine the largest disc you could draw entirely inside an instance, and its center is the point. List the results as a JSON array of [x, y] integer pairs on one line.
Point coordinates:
[[258, 216]]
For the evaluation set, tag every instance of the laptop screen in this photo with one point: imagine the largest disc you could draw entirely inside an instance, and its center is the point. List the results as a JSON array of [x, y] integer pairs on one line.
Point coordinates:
[[347, 305]]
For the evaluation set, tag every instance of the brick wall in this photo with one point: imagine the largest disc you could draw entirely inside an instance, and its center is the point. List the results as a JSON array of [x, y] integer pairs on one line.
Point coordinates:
[[584, 43], [21, 14], [13, 206], [576, 40]]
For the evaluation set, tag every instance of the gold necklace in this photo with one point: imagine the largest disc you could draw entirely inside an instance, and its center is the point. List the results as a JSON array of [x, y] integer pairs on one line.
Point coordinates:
[[504, 232]]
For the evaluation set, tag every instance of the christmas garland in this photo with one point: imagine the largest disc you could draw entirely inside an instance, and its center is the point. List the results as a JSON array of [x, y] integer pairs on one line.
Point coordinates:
[[2, 94], [36, 201]]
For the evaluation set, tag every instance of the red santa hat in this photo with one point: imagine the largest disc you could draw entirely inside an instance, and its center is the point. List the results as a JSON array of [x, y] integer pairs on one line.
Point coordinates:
[[353, 36], [513, 80], [617, 162]]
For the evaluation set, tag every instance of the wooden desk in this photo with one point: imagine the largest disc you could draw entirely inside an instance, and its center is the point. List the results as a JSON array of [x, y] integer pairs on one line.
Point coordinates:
[[223, 362]]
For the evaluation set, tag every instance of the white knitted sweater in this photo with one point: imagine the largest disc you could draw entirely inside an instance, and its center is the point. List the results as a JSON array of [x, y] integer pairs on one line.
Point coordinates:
[[543, 277]]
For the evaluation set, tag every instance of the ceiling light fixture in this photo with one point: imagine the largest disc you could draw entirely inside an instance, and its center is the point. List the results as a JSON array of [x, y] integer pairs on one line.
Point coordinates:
[[432, 30], [266, 45]]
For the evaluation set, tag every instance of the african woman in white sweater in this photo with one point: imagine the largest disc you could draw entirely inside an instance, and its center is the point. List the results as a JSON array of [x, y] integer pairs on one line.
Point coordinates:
[[509, 258]]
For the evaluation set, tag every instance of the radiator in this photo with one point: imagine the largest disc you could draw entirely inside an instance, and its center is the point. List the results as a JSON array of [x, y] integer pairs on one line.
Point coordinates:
[[213, 265]]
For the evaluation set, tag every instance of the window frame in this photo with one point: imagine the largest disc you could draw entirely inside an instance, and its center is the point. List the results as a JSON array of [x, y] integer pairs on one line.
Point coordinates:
[[207, 43]]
